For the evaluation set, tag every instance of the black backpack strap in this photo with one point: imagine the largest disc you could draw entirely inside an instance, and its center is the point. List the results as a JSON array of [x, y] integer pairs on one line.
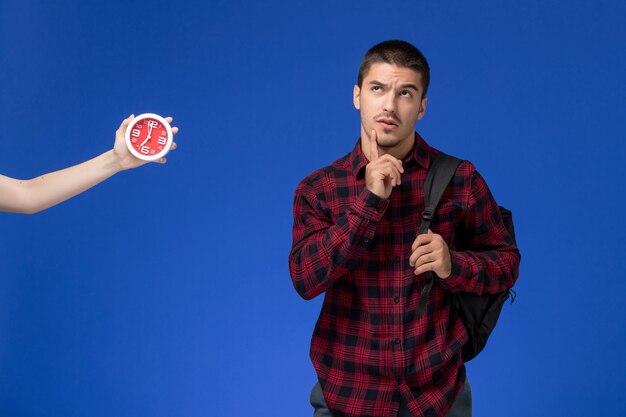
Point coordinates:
[[440, 173]]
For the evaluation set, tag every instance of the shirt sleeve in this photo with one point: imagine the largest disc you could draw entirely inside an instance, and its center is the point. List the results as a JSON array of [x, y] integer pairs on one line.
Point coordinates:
[[489, 261], [326, 248]]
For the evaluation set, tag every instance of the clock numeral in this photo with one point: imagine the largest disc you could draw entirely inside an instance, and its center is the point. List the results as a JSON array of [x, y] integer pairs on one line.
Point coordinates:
[[145, 150], [162, 141], [152, 123], [135, 133]]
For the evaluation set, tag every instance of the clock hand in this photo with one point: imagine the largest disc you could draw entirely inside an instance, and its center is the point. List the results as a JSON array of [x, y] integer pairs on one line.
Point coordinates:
[[150, 127]]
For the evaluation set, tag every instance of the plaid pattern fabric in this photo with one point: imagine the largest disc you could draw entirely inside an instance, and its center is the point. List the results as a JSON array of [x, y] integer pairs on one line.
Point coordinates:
[[369, 346]]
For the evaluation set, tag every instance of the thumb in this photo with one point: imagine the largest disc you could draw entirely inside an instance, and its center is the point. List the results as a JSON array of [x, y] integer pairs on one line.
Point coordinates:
[[125, 124]]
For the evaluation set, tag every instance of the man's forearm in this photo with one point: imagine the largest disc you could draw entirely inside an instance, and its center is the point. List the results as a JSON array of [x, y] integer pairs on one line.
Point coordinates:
[[483, 272], [323, 252]]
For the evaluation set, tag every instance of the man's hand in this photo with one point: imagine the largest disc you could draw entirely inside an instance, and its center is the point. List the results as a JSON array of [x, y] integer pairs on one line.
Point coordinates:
[[126, 159], [382, 173], [431, 253]]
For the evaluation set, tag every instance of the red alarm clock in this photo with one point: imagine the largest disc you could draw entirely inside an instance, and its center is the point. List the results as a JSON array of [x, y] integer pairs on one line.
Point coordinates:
[[149, 137]]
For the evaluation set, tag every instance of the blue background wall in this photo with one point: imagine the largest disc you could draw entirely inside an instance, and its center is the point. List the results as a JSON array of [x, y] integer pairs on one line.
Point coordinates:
[[92, 325]]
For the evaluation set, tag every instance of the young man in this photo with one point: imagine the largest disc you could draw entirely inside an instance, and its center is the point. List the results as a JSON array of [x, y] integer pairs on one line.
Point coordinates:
[[32, 196], [354, 239]]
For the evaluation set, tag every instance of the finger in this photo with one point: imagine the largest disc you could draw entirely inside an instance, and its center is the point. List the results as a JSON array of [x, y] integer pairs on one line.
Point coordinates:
[[427, 262], [169, 119], [390, 171], [430, 232], [426, 259], [174, 130], [430, 266], [174, 146], [393, 176], [421, 240], [391, 168], [373, 146], [418, 253], [394, 172], [398, 164], [395, 161], [397, 177], [161, 160], [382, 172]]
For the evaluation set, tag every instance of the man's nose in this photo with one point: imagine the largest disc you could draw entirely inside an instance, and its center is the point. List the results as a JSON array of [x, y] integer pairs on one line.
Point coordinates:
[[390, 103]]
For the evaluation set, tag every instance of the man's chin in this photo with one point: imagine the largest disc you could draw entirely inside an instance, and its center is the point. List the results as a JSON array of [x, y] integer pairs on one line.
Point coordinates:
[[388, 141]]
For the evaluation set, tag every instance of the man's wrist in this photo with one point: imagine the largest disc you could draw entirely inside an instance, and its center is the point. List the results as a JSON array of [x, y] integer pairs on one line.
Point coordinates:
[[458, 270], [370, 206]]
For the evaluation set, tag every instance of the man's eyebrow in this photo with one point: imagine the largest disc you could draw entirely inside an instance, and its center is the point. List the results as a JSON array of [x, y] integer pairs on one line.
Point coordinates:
[[403, 86], [410, 85]]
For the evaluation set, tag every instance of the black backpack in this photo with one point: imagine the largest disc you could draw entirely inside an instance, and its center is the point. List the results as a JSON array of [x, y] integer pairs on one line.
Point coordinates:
[[478, 312]]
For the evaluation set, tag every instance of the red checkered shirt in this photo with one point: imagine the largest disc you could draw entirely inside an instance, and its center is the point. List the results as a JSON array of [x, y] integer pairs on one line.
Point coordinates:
[[369, 346]]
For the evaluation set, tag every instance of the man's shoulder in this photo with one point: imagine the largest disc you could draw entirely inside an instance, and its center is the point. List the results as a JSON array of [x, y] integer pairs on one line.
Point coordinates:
[[339, 168], [465, 168]]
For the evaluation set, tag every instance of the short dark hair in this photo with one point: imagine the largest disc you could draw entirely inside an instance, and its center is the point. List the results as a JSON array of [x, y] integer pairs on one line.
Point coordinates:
[[399, 53]]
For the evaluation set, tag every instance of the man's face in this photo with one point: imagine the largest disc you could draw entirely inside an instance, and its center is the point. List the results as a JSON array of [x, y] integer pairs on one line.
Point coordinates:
[[390, 101]]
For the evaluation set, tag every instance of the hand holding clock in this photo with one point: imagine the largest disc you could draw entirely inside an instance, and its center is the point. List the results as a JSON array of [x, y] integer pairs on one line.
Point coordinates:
[[127, 159]]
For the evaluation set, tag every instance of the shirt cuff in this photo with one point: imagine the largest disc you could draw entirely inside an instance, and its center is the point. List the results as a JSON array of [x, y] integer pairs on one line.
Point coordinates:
[[462, 270], [370, 206]]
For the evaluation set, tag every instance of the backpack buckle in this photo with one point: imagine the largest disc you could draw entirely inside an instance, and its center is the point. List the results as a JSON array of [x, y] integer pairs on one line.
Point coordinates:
[[428, 215]]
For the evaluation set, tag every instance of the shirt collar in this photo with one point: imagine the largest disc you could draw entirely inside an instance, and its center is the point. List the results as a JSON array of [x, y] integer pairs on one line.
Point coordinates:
[[420, 154]]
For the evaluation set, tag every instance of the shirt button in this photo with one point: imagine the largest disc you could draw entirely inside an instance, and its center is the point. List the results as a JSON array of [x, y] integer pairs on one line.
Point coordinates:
[[380, 209], [397, 341], [366, 240], [396, 300], [397, 259]]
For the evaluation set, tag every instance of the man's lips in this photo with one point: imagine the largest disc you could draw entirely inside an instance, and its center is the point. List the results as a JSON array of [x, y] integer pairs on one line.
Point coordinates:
[[387, 123]]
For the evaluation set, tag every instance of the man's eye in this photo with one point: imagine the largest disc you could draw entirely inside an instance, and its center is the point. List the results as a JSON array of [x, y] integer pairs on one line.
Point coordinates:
[[377, 89], [406, 93]]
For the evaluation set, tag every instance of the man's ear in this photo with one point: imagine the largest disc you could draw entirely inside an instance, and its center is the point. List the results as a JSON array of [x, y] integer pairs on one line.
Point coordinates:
[[356, 97], [422, 109]]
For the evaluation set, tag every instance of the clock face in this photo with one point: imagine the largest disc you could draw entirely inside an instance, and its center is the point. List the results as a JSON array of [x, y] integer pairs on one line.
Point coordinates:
[[149, 137]]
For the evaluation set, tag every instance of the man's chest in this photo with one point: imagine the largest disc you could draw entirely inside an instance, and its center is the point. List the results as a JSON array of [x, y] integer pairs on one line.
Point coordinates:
[[398, 227]]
